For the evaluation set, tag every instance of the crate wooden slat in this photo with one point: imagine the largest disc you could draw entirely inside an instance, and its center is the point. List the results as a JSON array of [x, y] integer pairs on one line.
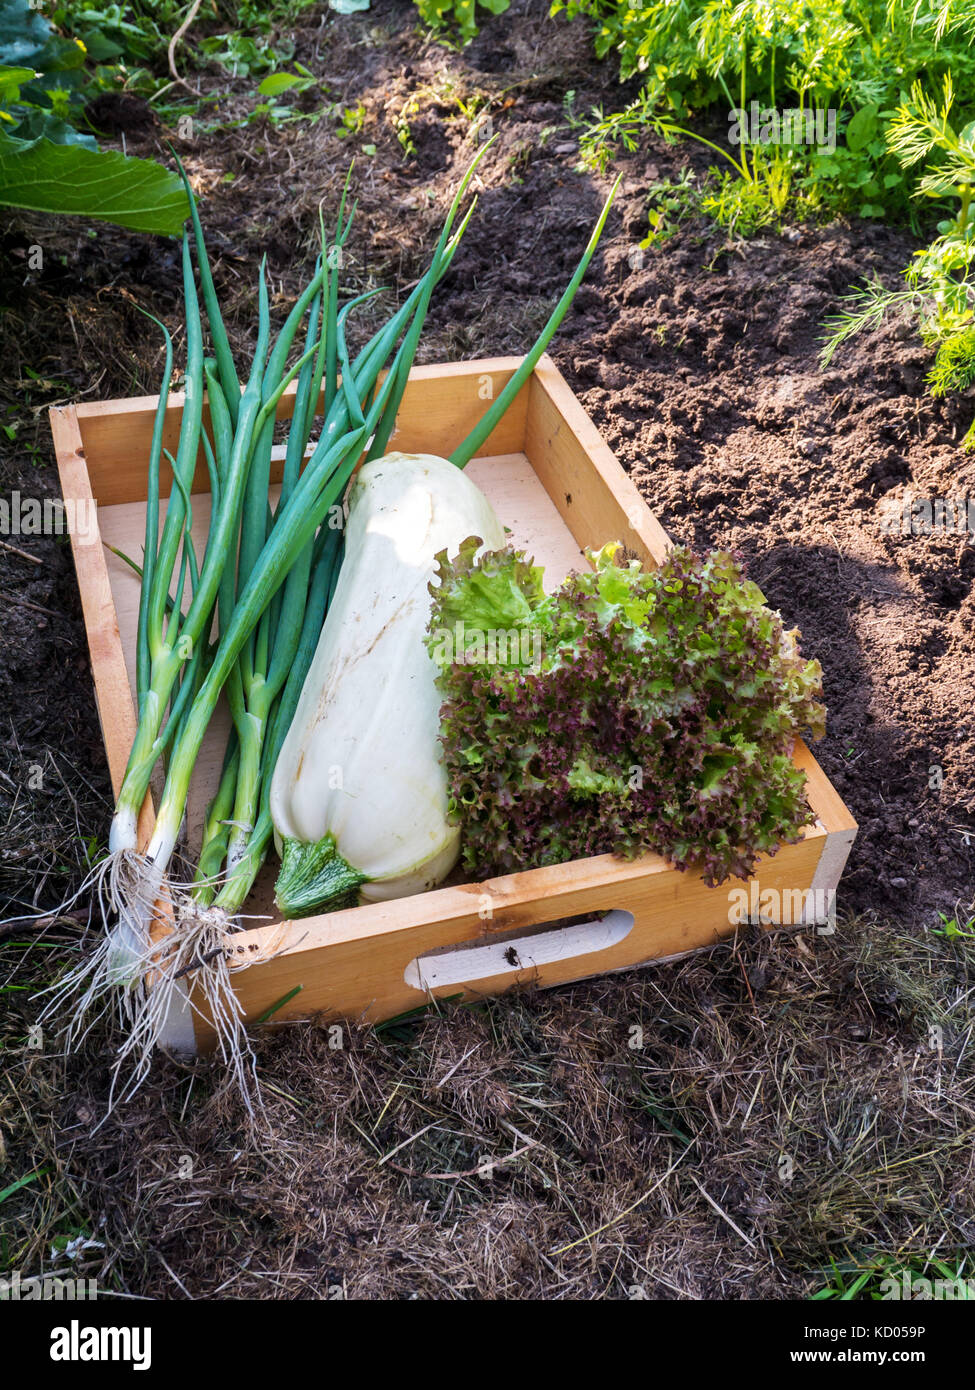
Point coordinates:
[[559, 488]]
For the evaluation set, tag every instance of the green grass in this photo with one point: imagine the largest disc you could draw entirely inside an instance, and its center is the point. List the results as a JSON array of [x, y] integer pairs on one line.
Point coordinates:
[[882, 1279], [22, 1182]]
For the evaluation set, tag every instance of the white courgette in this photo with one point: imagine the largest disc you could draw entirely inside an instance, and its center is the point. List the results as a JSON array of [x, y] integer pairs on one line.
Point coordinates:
[[359, 793]]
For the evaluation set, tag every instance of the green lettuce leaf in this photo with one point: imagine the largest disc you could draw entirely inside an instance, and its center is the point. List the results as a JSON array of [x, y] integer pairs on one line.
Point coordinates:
[[499, 593]]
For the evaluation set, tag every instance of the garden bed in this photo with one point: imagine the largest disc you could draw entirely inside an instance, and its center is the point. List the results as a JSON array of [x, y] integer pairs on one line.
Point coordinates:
[[700, 369]]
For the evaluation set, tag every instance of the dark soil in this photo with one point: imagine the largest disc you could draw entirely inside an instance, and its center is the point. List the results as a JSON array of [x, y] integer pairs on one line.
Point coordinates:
[[700, 366], [702, 369]]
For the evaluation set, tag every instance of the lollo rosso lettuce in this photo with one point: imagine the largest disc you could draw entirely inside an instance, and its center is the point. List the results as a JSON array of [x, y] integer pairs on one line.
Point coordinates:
[[629, 710]]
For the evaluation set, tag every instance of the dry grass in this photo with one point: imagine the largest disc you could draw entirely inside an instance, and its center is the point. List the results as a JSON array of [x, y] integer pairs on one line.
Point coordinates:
[[785, 1106]]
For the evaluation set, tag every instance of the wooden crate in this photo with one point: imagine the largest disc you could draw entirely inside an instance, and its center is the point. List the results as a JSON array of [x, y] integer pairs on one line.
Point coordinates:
[[559, 488]]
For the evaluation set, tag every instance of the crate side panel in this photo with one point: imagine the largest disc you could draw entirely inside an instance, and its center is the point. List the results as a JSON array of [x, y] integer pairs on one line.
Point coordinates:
[[362, 976], [440, 406], [106, 642], [824, 800], [582, 475]]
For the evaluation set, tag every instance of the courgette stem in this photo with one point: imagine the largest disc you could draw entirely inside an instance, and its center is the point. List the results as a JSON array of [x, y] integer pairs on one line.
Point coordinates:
[[315, 878]]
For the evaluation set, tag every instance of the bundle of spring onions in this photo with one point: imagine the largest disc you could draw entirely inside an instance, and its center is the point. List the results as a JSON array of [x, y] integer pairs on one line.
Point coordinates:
[[242, 619]]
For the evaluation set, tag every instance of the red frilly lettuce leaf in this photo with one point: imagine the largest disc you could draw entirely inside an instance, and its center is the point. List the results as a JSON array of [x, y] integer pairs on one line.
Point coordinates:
[[629, 711]]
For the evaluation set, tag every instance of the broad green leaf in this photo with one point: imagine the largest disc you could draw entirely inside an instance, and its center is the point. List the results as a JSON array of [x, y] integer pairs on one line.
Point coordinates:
[[12, 79], [277, 82], [102, 49], [134, 193], [862, 127], [24, 33], [32, 122]]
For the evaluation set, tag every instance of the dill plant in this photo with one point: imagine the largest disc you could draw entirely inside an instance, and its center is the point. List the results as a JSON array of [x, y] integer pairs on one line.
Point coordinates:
[[939, 294]]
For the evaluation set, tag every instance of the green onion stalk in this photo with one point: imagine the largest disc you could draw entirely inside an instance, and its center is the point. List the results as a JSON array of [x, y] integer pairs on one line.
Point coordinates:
[[467, 449], [267, 655], [179, 642], [265, 561], [152, 521], [242, 872], [158, 665]]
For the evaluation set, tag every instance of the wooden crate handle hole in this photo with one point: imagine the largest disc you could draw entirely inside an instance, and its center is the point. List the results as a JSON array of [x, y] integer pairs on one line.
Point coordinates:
[[509, 954]]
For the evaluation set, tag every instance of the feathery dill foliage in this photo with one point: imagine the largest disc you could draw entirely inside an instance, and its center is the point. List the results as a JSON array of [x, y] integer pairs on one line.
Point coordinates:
[[661, 715], [857, 57], [939, 293], [954, 366]]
